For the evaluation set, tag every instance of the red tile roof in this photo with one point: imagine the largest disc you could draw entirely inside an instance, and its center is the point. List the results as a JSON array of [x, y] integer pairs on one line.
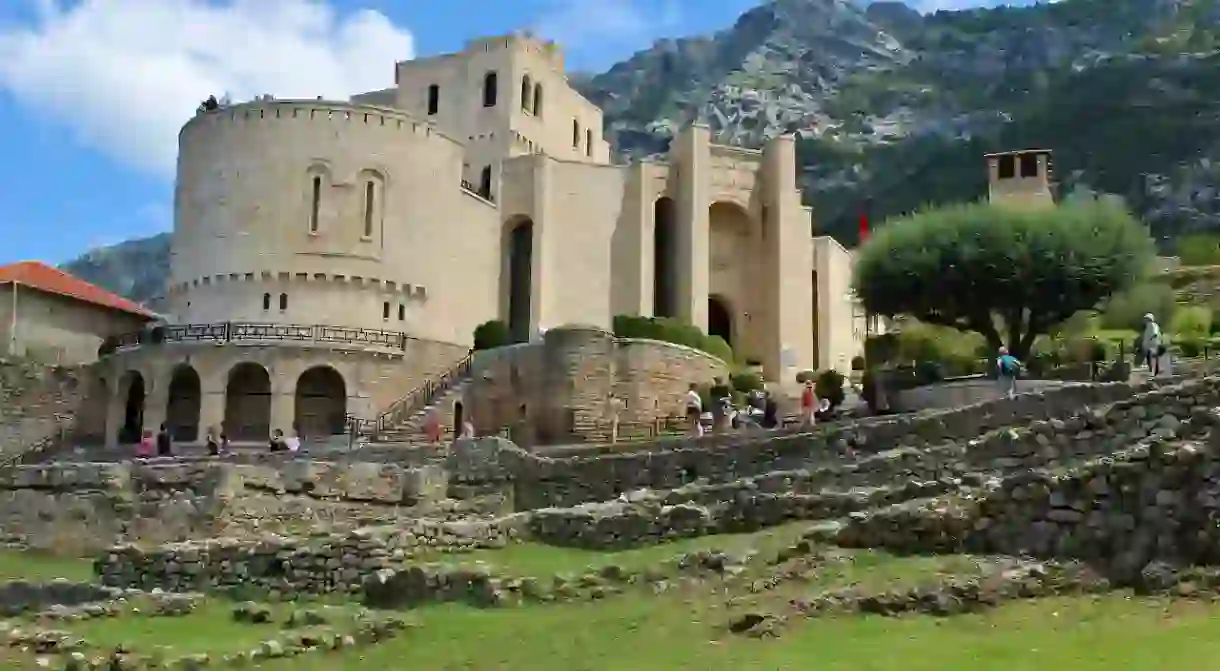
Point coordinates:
[[51, 280]]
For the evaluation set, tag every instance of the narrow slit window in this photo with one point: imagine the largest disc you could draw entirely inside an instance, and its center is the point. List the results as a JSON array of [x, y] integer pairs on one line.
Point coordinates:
[[385, 310], [588, 143], [575, 133], [266, 301], [434, 99], [370, 202], [315, 204], [283, 301], [402, 313], [491, 87]]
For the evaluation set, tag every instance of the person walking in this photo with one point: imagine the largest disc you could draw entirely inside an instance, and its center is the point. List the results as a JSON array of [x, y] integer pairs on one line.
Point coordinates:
[[809, 405], [432, 426], [1008, 367], [1151, 346], [165, 444], [694, 410]]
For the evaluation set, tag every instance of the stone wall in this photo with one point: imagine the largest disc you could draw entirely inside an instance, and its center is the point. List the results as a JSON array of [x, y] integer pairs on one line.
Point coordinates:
[[37, 402], [567, 481], [564, 382], [838, 490], [1154, 496], [318, 565], [81, 506]]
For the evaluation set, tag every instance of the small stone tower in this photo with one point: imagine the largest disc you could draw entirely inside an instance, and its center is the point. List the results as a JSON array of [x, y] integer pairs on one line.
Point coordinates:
[[1020, 177]]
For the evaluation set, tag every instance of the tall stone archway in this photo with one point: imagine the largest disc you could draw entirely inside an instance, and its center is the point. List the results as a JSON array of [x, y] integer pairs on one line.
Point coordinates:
[[735, 272], [664, 258], [183, 403], [133, 395], [321, 403], [519, 270], [248, 403], [720, 318]]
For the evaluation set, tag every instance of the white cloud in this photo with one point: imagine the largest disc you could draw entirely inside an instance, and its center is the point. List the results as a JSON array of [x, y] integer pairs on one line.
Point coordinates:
[[584, 24], [126, 74]]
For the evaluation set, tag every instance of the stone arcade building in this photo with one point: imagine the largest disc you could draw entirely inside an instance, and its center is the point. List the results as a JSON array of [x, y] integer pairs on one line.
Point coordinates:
[[329, 257]]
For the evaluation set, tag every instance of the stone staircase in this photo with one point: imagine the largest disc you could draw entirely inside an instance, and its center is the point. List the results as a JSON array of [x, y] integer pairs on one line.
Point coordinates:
[[403, 421], [411, 429]]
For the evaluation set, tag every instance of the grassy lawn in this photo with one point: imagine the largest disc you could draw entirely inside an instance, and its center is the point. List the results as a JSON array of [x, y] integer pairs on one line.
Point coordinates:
[[666, 634], [42, 567]]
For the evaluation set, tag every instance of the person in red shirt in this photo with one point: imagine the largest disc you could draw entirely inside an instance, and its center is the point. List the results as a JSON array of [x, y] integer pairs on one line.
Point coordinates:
[[809, 404]]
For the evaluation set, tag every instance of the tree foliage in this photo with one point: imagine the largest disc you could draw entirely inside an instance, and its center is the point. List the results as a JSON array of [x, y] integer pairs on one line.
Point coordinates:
[[1198, 249], [1007, 273]]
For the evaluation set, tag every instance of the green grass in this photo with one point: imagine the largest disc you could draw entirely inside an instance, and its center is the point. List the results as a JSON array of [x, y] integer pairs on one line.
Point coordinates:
[[210, 629], [42, 567]]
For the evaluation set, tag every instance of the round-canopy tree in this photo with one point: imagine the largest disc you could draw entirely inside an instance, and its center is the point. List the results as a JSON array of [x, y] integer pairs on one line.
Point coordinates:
[[1009, 273]]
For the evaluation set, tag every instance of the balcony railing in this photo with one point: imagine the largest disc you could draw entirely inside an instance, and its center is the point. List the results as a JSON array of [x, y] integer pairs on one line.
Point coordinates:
[[223, 332]]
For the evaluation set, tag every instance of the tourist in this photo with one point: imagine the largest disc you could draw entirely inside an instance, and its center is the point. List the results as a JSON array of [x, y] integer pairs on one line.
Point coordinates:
[[292, 443], [1008, 368], [614, 407], [1151, 349], [277, 441], [809, 405], [467, 428], [165, 446], [212, 443], [225, 449], [432, 426], [694, 410], [770, 418], [147, 447]]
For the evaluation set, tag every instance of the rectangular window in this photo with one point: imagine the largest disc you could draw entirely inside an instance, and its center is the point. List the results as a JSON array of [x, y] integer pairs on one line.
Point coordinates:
[[575, 133], [283, 301], [588, 143], [370, 190], [434, 99], [1029, 165], [266, 301], [402, 313], [1008, 166], [385, 310], [315, 204]]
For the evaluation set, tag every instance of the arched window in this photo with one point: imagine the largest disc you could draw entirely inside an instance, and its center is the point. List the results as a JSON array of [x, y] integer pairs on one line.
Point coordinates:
[[491, 85], [266, 301], [527, 94], [315, 203], [370, 202], [372, 205], [434, 99], [575, 134], [283, 301], [538, 99], [588, 143]]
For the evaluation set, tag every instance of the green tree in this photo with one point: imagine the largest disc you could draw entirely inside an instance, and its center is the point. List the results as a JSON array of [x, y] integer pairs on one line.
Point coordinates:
[[1007, 273]]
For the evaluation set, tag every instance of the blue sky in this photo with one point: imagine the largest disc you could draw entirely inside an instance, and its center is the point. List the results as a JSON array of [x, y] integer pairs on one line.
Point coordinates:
[[92, 92]]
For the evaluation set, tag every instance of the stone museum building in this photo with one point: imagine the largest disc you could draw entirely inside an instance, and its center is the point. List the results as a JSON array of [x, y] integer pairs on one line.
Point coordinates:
[[330, 257]]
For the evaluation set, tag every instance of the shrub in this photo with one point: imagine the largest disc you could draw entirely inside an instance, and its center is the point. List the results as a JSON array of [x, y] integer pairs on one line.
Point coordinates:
[[929, 372], [881, 349], [857, 363], [829, 385], [746, 382], [1191, 323], [1126, 310], [672, 331], [491, 334], [1190, 347]]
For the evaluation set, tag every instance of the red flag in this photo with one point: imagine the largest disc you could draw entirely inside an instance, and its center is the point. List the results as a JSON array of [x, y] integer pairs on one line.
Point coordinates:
[[863, 226]]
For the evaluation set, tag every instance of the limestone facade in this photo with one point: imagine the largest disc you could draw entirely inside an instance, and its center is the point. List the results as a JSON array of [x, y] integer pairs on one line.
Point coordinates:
[[479, 187], [56, 329]]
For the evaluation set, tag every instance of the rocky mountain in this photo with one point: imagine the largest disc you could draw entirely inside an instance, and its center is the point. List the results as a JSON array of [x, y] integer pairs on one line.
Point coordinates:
[[895, 108]]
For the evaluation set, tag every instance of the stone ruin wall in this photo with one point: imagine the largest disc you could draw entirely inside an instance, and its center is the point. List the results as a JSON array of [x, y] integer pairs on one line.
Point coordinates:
[[38, 402], [564, 382], [1152, 496]]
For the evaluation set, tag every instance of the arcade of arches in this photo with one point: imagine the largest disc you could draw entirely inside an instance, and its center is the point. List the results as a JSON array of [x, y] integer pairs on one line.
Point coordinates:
[[319, 404]]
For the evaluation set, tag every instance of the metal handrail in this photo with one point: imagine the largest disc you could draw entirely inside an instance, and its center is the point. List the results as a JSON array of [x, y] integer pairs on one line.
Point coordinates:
[[423, 395], [222, 332]]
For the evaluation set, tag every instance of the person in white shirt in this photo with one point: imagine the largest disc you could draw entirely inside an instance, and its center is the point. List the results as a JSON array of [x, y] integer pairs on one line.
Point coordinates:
[[293, 443], [1150, 344], [694, 410]]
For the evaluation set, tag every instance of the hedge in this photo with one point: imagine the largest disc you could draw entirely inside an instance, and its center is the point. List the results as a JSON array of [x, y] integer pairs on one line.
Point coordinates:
[[672, 331]]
